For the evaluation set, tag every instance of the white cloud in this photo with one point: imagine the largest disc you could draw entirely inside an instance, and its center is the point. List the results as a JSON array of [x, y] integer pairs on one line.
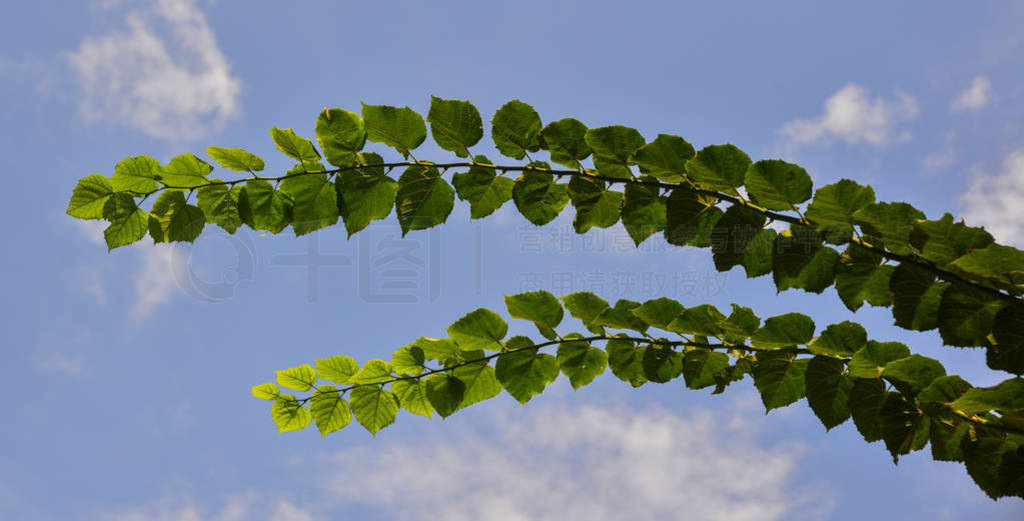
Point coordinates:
[[940, 160], [586, 463], [242, 507], [156, 281], [60, 364], [975, 97], [852, 116], [996, 201], [164, 74]]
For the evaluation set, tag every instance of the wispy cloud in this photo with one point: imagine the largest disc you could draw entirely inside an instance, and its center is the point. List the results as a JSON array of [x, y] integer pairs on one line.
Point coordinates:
[[996, 201], [244, 507], [61, 364], [163, 265], [162, 73], [851, 115], [588, 463], [975, 97]]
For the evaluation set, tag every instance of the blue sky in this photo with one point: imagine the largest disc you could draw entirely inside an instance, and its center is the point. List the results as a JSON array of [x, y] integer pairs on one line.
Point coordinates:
[[128, 373]]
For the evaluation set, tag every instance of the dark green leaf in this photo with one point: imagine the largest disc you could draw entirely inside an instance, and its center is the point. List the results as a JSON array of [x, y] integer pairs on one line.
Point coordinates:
[[341, 135], [481, 383], [445, 393], [662, 363], [539, 307], [760, 253], [621, 316], [870, 360], [516, 129], [219, 204], [866, 399], [1008, 332], [916, 297], [967, 315], [741, 324], [732, 234], [566, 141], [1004, 264], [690, 217], [704, 319], [833, 207], [643, 211], [659, 312], [399, 128], [859, 279], [424, 199], [915, 370], [801, 261], [777, 185], [701, 365], [840, 340], [364, 196], [625, 359], [1006, 396], [315, 202], [268, 208], [828, 390], [943, 241], [538, 197], [595, 204], [581, 362], [788, 330], [586, 307], [904, 428], [613, 146], [483, 188], [526, 373], [665, 158], [455, 125], [779, 377], [171, 219], [719, 167], [890, 222]]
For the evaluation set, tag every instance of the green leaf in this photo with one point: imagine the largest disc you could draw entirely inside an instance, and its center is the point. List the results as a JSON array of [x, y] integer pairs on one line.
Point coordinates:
[[408, 360], [788, 330], [236, 159], [890, 222], [481, 383], [840, 340], [662, 364], [904, 428], [586, 307], [516, 129], [1007, 396], [581, 362], [424, 199], [665, 158], [455, 125], [341, 135], [982, 458], [526, 373], [400, 128], [266, 391], [704, 319], [412, 396], [701, 365], [777, 185], [732, 234], [293, 145], [915, 370], [643, 211], [719, 167], [219, 204], [373, 407], [136, 174], [338, 369], [800, 261], [373, 372], [860, 278], [329, 409], [866, 399], [621, 316], [870, 360], [185, 171], [315, 202], [779, 377], [833, 207], [479, 329], [916, 297], [828, 390], [688, 214], [1004, 264], [566, 140], [171, 219], [440, 349], [89, 197], [445, 393], [613, 146], [595, 204], [625, 359], [538, 197], [364, 197], [967, 316], [1008, 332], [483, 188], [760, 253], [269, 209], [128, 222], [741, 324], [946, 437], [300, 378], [943, 241], [659, 312], [935, 398], [289, 414], [539, 307]]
